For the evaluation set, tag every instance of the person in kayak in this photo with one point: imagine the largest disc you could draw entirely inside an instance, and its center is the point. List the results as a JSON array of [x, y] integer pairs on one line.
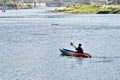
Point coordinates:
[[79, 49]]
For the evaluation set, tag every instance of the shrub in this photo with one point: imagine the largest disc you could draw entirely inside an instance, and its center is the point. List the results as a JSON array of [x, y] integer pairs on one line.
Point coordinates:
[[80, 9]]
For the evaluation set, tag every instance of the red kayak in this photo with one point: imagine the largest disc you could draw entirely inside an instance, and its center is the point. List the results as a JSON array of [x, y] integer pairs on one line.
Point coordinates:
[[67, 52]]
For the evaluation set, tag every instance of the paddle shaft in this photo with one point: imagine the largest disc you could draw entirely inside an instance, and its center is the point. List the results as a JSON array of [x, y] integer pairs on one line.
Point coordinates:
[[72, 45]]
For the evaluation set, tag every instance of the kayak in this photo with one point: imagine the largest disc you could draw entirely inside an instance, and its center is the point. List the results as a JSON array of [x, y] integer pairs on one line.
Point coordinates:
[[66, 52]]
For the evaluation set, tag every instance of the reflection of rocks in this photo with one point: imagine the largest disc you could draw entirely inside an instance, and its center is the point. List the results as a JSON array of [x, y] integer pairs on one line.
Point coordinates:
[[54, 24]]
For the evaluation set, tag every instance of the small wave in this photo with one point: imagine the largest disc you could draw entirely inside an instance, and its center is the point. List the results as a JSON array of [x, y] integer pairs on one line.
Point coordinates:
[[103, 61], [104, 57], [38, 34]]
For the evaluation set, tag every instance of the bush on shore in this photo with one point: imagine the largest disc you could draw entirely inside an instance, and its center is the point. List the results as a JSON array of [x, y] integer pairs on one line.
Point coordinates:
[[89, 9]]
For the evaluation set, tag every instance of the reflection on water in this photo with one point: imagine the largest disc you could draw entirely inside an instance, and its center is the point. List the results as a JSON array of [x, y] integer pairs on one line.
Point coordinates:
[[35, 16], [93, 59]]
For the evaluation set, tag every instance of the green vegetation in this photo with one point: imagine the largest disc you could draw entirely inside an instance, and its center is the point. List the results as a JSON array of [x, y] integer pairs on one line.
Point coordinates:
[[89, 9], [13, 4]]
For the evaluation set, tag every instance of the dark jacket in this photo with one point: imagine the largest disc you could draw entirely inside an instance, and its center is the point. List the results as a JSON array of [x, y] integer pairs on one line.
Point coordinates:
[[79, 50]]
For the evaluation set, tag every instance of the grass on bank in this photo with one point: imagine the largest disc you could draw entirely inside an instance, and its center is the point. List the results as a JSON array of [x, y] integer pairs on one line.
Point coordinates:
[[89, 9]]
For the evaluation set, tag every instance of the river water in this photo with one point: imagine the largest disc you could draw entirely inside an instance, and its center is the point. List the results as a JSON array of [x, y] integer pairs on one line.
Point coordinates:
[[30, 42]]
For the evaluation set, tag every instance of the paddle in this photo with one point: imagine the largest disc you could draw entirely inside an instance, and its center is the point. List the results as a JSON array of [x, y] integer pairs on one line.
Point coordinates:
[[71, 43]]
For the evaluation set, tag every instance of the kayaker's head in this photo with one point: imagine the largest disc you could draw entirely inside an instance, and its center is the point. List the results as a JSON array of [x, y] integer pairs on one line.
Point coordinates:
[[80, 44]]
